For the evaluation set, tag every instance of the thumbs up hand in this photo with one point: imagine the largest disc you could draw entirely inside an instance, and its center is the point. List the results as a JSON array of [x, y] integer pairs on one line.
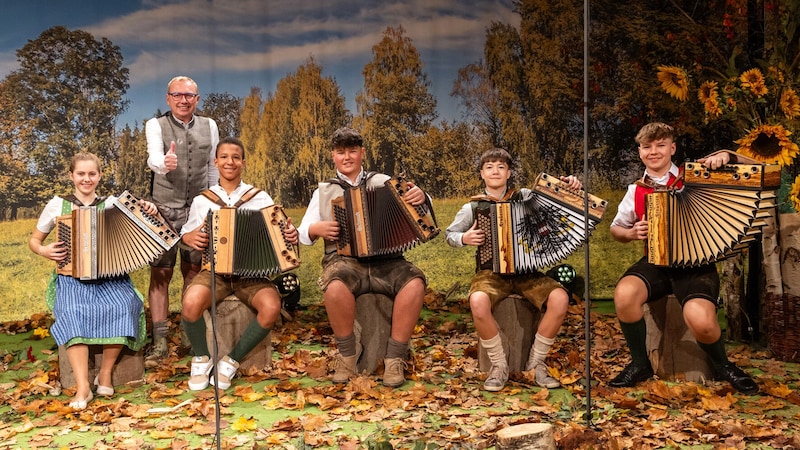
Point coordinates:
[[171, 159]]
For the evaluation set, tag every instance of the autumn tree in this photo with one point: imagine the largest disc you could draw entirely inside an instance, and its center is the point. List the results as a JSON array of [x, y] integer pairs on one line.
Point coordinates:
[[226, 110], [295, 128], [395, 104], [251, 136], [130, 168], [480, 98], [65, 97]]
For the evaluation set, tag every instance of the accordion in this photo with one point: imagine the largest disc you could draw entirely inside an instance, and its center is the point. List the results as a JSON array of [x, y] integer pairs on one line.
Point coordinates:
[[113, 241], [377, 221], [249, 243], [527, 235], [715, 215]]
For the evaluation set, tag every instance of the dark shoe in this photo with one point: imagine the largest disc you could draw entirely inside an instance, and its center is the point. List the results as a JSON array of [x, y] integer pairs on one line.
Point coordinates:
[[631, 375], [737, 377]]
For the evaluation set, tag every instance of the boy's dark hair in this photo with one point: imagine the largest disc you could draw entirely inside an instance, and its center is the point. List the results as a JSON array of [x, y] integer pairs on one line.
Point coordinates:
[[230, 140], [346, 137], [654, 131], [496, 154]]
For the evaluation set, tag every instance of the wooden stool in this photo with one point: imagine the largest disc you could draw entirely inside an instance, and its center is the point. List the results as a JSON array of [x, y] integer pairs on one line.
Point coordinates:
[[671, 347], [374, 318], [517, 318], [128, 369], [233, 316]]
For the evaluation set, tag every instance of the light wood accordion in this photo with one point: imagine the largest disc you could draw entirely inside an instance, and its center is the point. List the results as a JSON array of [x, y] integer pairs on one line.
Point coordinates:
[[527, 235], [377, 221], [714, 216], [113, 241], [249, 243]]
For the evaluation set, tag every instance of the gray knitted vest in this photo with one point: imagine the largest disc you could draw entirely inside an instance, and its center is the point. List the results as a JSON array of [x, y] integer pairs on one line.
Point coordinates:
[[178, 187]]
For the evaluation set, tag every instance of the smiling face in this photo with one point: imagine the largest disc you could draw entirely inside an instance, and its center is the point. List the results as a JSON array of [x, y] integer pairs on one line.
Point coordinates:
[[348, 160], [229, 161], [657, 155], [495, 175], [182, 99], [85, 176]]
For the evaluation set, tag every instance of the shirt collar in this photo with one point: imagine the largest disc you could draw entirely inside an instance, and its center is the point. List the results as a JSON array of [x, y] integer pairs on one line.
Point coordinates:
[[359, 178]]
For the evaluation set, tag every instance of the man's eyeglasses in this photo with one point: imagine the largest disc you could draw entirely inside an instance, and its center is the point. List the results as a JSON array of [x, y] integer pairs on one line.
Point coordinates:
[[185, 95]]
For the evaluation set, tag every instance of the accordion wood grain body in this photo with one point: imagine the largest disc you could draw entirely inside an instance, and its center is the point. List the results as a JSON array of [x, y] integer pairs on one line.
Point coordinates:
[[377, 221], [113, 241], [526, 236], [249, 243], [715, 215]]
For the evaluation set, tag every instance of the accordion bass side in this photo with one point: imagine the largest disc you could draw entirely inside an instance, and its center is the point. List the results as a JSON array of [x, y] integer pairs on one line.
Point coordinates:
[[377, 221], [526, 236], [113, 241], [715, 215], [249, 243]]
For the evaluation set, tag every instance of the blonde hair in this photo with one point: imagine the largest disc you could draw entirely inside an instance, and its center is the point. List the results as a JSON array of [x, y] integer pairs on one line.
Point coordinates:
[[653, 132], [85, 156]]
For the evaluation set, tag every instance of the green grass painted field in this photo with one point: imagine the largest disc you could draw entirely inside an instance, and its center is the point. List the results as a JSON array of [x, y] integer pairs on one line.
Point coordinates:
[[24, 275]]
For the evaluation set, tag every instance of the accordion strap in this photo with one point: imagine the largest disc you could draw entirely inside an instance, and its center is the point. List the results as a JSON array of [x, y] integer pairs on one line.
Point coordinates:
[[252, 192]]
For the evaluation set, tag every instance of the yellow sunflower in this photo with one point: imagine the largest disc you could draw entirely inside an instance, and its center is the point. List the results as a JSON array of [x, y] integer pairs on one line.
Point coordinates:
[[753, 80], [709, 97], [674, 81], [769, 144], [794, 195], [790, 103]]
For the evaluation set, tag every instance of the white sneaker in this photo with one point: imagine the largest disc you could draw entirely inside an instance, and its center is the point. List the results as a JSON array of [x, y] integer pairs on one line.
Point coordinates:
[[226, 369], [496, 380], [201, 367], [543, 378]]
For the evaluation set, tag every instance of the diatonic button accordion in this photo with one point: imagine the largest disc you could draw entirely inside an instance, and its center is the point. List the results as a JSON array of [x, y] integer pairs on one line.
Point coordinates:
[[527, 235], [113, 241], [377, 221], [249, 243]]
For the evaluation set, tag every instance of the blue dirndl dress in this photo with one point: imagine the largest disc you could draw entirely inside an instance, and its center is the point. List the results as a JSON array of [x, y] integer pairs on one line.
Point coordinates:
[[106, 311]]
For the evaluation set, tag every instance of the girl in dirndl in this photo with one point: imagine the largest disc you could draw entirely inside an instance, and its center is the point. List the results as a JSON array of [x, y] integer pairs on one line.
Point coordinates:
[[107, 311]]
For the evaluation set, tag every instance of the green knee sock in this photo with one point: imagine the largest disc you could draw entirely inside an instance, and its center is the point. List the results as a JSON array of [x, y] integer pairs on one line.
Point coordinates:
[[636, 335], [716, 352], [253, 334], [196, 332]]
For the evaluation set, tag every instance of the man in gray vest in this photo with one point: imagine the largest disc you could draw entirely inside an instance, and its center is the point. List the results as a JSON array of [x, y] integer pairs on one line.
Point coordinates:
[[180, 148]]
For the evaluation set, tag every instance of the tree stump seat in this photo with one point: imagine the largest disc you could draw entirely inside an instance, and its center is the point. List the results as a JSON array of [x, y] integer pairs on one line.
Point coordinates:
[[232, 319], [517, 318], [671, 346], [374, 323], [128, 370]]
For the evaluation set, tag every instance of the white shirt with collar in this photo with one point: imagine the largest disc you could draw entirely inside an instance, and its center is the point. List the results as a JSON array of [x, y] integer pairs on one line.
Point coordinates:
[[626, 211], [312, 214], [201, 204]]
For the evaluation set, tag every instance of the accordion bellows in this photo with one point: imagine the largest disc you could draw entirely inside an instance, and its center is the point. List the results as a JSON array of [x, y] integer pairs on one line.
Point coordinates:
[[714, 216], [377, 221], [526, 236], [249, 243], [113, 241]]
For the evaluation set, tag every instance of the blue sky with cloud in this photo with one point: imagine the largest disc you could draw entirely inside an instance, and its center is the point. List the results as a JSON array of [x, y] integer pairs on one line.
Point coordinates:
[[233, 45]]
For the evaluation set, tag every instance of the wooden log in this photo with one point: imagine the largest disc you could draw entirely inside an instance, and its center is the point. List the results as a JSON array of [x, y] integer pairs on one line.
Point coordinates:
[[732, 284], [128, 369], [790, 253], [526, 436], [771, 257], [671, 347], [232, 319], [374, 327], [517, 318]]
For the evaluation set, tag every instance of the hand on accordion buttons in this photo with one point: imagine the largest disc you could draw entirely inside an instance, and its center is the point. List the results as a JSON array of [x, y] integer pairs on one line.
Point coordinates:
[[291, 234], [473, 236], [414, 196], [197, 239]]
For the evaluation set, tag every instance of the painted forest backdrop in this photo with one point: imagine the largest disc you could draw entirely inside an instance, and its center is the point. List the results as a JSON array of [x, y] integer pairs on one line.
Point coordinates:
[[525, 94]]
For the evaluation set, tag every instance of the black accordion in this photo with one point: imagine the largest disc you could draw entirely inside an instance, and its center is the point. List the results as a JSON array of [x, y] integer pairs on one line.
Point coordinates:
[[377, 221], [527, 235], [113, 241], [714, 216], [249, 243]]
